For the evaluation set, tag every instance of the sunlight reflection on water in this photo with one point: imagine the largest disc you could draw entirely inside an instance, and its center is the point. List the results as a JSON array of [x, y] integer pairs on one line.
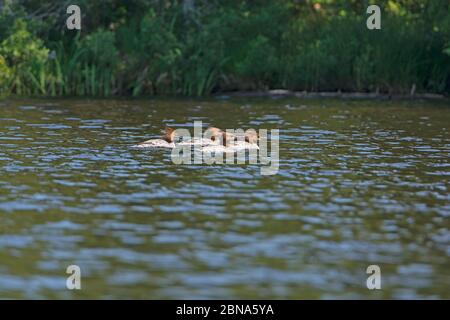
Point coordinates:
[[356, 186]]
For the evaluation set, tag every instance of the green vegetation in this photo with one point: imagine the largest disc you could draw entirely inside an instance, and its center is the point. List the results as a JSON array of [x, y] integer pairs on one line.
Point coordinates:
[[196, 48]]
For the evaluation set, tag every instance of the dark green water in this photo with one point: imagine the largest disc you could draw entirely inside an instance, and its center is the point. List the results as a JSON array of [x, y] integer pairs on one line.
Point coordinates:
[[360, 183]]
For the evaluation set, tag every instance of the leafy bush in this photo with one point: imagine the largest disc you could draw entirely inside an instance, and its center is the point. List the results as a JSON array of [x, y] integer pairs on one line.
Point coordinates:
[[5, 76], [161, 47], [26, 55]]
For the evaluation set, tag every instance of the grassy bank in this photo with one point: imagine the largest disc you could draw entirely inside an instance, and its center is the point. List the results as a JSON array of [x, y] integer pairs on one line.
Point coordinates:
[[190, 48]]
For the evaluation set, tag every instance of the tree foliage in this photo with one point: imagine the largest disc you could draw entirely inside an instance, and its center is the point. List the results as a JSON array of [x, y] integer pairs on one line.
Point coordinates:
[[193, 48]]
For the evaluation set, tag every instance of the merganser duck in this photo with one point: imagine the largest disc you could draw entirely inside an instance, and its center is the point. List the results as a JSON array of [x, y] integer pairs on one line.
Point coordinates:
[[166, 141]]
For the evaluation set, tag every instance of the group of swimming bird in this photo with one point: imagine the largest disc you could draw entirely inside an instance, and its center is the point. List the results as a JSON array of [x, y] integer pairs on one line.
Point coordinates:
[[214, 140]]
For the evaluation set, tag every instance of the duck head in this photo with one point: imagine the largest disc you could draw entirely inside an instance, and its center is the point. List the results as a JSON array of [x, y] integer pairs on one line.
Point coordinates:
[[251, 136], [168, 134]]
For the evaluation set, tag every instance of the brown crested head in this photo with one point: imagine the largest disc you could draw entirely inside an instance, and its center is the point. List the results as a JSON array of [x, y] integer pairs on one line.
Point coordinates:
[[251, 137], [168, 134], [214, 133]]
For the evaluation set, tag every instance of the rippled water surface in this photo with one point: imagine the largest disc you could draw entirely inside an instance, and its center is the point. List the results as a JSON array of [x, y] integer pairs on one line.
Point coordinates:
[[360, 183]]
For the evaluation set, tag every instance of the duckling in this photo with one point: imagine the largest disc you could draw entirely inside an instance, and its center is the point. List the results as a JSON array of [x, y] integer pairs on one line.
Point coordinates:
[[214, 133]]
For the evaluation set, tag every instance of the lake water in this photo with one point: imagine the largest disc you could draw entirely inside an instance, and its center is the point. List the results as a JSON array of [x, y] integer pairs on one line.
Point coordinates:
[[360, 183]]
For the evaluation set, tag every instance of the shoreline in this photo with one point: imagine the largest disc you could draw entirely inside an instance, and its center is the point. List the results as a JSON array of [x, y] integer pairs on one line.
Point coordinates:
[[275, 93], [335, 94]]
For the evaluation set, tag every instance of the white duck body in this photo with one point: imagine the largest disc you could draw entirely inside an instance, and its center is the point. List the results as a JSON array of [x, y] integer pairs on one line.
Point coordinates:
[[234, 147], [161, 143], [155, 143], [198, 141]]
